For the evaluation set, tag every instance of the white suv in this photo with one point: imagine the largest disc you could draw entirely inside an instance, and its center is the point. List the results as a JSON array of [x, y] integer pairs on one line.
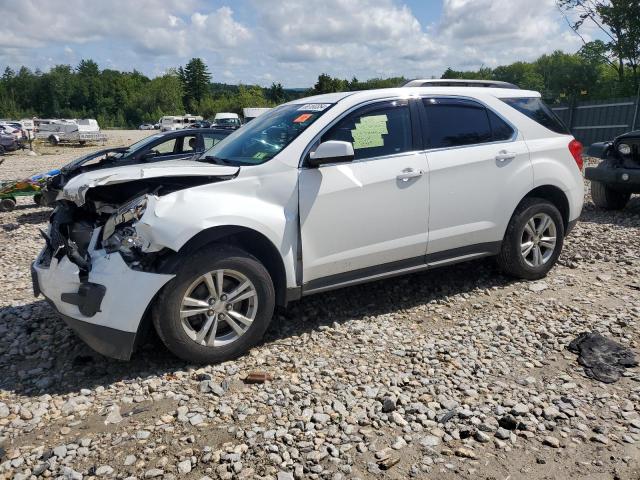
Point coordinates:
[[317, 194]]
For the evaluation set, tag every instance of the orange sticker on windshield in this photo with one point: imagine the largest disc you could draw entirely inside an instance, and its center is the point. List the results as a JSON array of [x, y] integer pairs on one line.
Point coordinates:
[[303, 118]]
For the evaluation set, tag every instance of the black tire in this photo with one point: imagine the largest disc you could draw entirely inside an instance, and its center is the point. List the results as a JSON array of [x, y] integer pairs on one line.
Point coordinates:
[[166, 309], [608, 199], [53, 140], [7, 204], [510, 258], [37, 199], [2, 150]]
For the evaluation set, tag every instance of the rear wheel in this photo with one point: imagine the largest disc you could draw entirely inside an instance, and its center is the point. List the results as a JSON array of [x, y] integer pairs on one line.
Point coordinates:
[[608, 199], [2, 150], [533, 240], [217, 307]]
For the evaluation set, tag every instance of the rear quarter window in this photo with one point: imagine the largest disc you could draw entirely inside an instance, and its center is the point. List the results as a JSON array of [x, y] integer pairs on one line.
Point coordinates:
[[537, 110]]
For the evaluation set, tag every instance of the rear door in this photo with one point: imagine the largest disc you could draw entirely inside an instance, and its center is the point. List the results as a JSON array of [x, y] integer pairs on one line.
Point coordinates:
[[369, 216], [479, 166]]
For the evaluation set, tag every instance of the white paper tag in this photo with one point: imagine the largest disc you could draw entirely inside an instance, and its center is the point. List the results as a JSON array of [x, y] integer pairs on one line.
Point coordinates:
[[314, 107]]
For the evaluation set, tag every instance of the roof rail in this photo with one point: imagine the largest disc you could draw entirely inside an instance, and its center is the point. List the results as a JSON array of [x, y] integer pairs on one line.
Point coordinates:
[[458, 82]]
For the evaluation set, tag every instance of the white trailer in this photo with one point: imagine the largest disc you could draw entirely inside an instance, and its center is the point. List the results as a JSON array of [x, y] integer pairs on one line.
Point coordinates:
[[177, 122], [71, 131]]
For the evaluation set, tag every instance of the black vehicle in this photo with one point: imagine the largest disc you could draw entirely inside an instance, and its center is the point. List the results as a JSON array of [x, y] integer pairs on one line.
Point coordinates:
[[617, 177], [172, 145]]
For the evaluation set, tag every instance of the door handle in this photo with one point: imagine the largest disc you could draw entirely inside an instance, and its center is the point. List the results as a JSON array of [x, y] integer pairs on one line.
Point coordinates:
[[503, 156], [409, 173]]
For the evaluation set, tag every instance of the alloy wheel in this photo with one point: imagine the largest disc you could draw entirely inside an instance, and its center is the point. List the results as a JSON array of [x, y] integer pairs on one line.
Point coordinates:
[[219, 307], [538, 240]]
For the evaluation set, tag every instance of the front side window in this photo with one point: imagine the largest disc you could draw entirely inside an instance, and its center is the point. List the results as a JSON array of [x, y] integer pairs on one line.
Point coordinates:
[[165, 148], [265, 137], [375, 130]]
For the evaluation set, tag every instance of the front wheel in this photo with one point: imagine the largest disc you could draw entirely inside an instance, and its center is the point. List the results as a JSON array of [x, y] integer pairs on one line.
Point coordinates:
[[533, 240], [608, 199], [7, 204], [217, 307]]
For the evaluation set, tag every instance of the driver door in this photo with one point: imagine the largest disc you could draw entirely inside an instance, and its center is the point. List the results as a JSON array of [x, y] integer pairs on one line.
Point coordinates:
[[175, 148], [369, 216]]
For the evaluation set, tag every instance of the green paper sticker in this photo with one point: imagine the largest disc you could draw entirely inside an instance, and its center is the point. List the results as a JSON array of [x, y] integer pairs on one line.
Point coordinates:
[[260, 155], [368, 132]]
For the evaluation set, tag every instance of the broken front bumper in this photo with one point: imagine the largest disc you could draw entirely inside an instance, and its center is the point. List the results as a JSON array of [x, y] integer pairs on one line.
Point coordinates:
[[105, 309]]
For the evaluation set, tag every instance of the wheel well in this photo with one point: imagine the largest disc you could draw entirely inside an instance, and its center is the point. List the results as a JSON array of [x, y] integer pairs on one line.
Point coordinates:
[[252, 242], [555, 196]]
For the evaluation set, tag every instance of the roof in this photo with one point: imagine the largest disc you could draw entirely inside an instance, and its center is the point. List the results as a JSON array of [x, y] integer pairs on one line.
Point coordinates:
[[192, 131], [365, 95], [459, 82]]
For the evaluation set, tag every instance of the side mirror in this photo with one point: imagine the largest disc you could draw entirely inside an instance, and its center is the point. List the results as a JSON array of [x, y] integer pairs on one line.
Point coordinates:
[[150, 155], [332, 151]]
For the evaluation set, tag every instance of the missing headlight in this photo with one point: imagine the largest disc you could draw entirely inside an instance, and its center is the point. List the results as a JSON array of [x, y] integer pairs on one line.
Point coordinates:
[[127, 213]]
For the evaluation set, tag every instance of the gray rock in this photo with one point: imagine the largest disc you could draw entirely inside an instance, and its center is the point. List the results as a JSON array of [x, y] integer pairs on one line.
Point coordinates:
[[104, 471], [551, 441], [184, 467]]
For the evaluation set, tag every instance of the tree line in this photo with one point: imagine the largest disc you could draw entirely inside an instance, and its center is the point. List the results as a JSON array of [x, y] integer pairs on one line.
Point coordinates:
[[125, 99]]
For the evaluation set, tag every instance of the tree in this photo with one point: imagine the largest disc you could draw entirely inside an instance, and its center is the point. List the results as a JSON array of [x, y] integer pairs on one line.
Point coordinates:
[[618, 21], [195, 79], [523, 74], [275, 93]]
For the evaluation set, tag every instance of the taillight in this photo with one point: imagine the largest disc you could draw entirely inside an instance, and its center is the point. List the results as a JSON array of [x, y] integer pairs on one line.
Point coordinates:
[[575, 147]]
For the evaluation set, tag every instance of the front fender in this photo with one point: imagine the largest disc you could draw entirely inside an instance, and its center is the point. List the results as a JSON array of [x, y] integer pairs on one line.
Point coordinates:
[[266, 204], [599, 150]]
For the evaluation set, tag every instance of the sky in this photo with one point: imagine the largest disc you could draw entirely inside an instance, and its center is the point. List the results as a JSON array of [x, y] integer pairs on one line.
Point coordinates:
[[285, 41]]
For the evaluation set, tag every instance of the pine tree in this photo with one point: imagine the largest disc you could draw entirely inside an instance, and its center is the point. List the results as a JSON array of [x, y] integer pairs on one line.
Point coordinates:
[[195, 79]]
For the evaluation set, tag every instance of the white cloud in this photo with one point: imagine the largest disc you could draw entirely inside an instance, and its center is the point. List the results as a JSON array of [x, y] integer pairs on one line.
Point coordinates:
[[494, 32], [287, 41], [219, 28]]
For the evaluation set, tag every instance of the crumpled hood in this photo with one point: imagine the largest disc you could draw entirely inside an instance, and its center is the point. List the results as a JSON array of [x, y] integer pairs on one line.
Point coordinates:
[[76, 188]]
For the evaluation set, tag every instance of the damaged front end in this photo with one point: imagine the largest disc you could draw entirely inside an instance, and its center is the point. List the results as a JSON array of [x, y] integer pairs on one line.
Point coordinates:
[[100, 267]]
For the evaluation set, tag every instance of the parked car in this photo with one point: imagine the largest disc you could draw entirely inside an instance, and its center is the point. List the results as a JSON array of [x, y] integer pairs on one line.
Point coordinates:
[[8, 143], [12, 130], [174, 145], [226, 120], [146, 126], [317, 194], [617, 176]]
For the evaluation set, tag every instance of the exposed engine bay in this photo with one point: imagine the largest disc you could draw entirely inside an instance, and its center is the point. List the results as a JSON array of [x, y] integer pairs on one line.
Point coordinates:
[[104, 217]]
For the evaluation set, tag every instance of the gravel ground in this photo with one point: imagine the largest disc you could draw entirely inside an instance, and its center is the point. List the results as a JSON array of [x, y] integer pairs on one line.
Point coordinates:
[[455, 373]]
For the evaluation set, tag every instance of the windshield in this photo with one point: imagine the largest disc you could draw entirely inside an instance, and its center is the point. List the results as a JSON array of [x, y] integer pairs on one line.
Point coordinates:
[[266, 136], [227, 121]]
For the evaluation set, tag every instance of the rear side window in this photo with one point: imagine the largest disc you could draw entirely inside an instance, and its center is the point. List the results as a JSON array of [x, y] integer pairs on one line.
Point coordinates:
[[535, 109], [376, 130], [453, 122]]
